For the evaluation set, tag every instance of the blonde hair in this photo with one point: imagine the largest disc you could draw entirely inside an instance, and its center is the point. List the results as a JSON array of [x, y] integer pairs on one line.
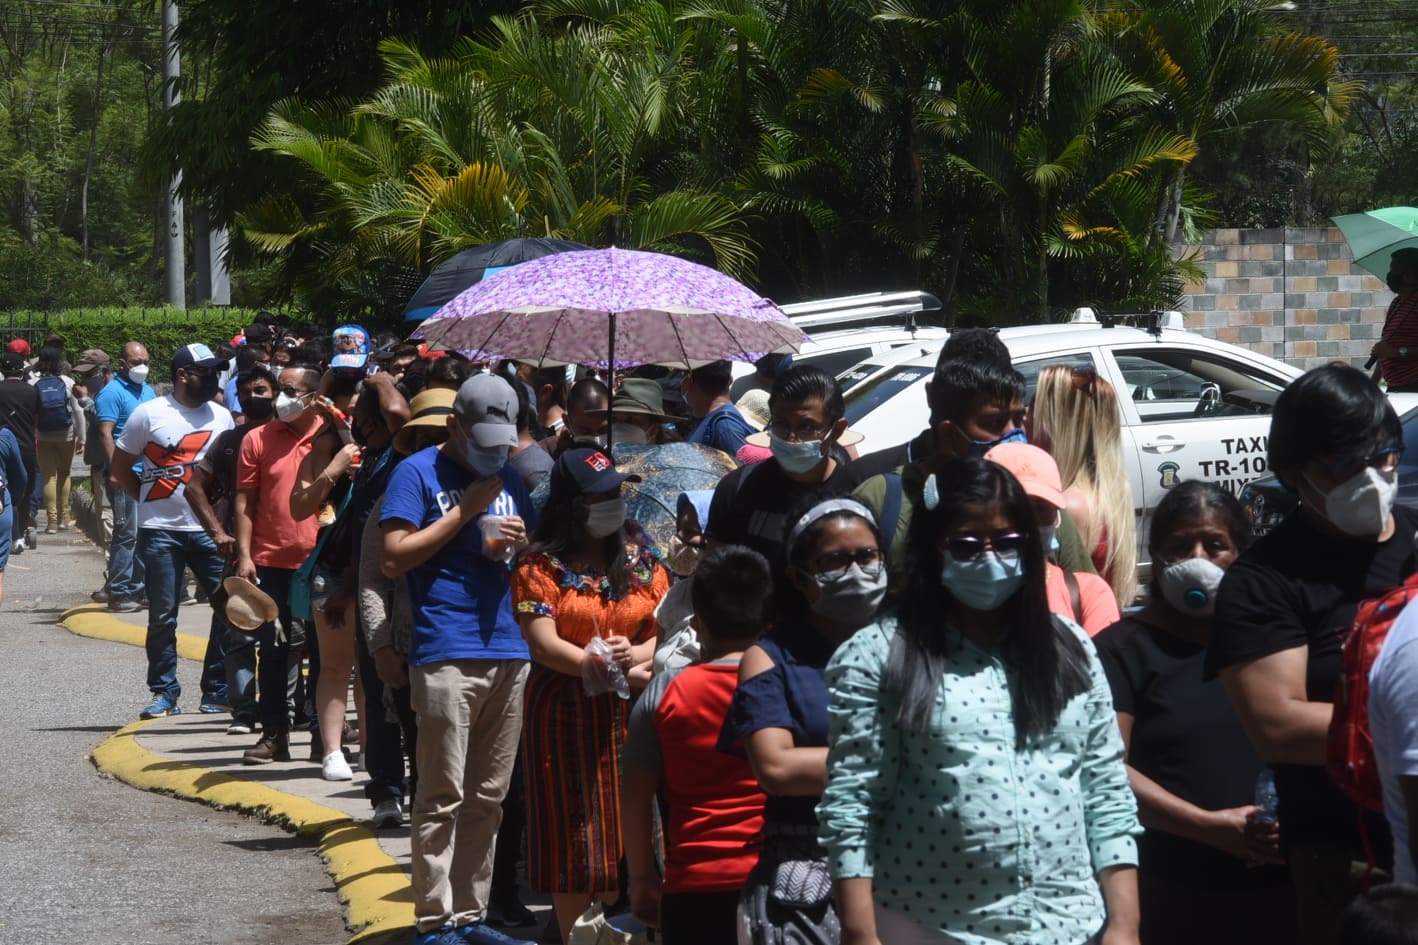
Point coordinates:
[[1075, 416]]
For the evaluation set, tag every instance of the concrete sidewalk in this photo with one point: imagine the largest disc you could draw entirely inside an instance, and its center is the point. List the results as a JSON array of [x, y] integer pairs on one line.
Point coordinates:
[[190, 755]]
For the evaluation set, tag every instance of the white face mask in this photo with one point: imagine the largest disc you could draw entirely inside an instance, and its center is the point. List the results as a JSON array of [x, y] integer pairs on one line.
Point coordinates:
[[1190, 585], [287, 408], [605, 518], [1360, 505], [138, 373]]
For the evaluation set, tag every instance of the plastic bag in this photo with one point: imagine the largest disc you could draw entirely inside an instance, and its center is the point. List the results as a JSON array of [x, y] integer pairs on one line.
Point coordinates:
[[601, 673]]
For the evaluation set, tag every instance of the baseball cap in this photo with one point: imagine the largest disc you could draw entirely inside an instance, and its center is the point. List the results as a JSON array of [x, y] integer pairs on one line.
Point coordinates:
[[486, 407], [352, 347], [91, 360], [1034, 468], [11, 363], [588, 471], [20, 346], [196, 355]]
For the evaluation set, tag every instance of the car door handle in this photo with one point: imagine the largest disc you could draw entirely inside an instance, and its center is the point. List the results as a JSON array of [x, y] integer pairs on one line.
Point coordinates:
[[1163, 444]]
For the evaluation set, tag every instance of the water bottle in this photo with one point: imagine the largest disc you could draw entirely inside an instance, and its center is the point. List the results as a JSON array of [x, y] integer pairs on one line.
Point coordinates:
[[1266, 798]]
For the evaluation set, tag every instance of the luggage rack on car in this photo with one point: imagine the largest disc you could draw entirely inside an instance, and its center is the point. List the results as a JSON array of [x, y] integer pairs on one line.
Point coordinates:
[[868, 309], [1152, 322]]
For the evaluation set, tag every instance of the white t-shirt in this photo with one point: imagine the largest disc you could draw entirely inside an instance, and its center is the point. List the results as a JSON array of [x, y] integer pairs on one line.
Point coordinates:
[[1393, 723], [169, 441]]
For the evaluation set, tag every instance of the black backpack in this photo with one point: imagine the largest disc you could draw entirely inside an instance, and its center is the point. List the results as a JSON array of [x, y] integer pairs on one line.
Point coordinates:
[[53, 403]]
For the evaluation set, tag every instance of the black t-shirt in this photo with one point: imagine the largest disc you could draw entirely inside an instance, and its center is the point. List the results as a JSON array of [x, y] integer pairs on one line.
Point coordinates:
[[750, 506], [1295, 587], [19, 403], [220, 461], [1186, 737]]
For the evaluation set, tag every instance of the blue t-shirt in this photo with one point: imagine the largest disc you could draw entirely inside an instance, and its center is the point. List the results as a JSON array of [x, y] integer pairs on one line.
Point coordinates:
[[723, 428], [229, 395], [118, 399], [462, 600]]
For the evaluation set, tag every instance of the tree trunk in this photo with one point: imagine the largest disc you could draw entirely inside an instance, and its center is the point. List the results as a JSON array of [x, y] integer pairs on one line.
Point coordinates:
[[93, 147], [1174, 208]]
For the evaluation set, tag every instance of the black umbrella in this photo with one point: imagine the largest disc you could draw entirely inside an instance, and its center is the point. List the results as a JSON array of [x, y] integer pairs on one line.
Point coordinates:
[[458, 272]]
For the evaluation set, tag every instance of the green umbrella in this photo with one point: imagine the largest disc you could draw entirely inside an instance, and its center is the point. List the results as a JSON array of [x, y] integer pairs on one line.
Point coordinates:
[[1375, 235]]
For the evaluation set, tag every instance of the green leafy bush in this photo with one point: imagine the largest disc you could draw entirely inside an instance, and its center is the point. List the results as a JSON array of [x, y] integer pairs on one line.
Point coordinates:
[[163, 330]]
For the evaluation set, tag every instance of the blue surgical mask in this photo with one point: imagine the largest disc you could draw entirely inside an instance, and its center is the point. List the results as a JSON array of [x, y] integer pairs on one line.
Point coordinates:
[[978, 448], [486, 461], [796, 458], [1048, 537], [984, 583]]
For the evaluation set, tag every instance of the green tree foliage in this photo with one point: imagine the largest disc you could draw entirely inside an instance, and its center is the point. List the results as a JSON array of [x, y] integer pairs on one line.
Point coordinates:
[[77, 93]]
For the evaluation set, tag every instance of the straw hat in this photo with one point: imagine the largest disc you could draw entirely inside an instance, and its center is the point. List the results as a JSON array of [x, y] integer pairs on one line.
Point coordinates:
[[246, 606], [429, 408], [753, 407]]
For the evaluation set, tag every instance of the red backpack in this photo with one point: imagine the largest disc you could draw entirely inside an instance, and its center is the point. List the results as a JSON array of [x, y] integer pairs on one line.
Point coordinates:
[[1351, 747]]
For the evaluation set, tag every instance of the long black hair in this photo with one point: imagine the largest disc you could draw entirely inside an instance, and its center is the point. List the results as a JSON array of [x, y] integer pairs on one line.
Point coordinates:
[[1185, 503], [1050, 663], [556, 530]]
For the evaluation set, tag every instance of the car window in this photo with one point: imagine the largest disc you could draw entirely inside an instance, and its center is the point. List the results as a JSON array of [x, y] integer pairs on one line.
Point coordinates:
[[1031, 369], [1168, 384], [836, 363], [866, 397]]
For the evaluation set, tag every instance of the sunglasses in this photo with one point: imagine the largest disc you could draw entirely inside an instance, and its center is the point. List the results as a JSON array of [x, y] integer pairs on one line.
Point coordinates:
[[1084, 377], [1347, 467], [970, 547], [835, 562], [292, 392]]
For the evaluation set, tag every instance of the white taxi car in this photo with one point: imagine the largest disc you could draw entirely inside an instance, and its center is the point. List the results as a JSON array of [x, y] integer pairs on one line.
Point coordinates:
[[1192, 407]]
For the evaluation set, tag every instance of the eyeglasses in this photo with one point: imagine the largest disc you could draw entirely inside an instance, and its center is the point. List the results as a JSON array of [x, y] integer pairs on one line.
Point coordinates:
[[969, 547], [835, 562], [800, 435], [1347, 467], [194, 371]]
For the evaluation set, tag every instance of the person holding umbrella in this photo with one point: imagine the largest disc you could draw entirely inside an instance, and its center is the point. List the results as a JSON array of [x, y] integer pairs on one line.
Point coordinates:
[[1397, 350]]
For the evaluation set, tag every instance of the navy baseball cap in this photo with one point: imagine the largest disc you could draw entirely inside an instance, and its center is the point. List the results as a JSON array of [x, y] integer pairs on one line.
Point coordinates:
[[589, 471], [196, 355]]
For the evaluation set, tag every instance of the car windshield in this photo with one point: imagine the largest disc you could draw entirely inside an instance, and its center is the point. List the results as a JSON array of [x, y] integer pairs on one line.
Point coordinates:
[[866, 397]]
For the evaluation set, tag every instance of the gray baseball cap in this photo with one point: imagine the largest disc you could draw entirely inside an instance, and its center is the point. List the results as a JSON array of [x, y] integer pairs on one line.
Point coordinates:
[[486, 407]]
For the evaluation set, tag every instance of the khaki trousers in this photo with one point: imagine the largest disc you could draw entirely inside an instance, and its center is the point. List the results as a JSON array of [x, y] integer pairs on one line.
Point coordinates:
[[470, 721]]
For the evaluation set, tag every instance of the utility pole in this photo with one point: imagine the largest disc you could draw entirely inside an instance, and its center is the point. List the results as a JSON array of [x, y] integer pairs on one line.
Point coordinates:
[[171, 70]]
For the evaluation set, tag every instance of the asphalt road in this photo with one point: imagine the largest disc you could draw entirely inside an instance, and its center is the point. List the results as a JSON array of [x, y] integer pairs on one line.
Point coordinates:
[[88, 859]]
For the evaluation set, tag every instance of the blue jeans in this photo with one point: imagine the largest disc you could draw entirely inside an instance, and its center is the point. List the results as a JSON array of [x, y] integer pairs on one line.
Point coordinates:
[[214, 688], [274, 650], [239, 660], [125, 569], [166, 555]]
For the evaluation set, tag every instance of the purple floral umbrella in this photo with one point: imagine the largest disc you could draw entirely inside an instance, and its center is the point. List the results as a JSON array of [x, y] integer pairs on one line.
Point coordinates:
[[612, 305]]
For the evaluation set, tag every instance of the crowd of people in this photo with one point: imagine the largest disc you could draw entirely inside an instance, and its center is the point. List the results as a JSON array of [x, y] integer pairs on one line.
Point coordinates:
[[872, 698]]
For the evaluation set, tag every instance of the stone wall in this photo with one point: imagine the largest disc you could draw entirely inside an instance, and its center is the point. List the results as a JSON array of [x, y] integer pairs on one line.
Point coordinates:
[[1293, 294]]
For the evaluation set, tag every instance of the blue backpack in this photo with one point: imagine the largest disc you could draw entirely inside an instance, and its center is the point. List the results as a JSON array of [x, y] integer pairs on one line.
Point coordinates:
[[53, 403]]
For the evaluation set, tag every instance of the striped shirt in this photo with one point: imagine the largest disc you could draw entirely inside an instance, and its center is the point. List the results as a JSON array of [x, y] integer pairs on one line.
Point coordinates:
[[1401, 331]]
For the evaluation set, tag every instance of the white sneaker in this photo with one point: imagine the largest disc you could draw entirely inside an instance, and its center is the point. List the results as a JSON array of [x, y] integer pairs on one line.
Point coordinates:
[[388, 813], [239, 727], [335, 768]]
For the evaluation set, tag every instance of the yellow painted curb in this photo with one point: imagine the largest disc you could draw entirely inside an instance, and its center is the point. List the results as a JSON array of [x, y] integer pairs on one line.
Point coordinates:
[[371, 883], [94, 620]]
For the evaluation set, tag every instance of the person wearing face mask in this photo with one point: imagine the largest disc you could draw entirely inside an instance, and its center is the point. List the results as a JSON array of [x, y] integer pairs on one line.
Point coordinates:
[[454, 517], [975, 777], [113, 405], [1208, 869], [1284, 612], [976, 401], [835, 580], [271, 545], [211, 492], [162, 443], [1083, 598], [1397, 349], [590, 574], [806, 424]]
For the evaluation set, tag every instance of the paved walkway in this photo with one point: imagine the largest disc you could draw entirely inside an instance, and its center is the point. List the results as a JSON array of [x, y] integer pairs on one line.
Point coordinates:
[[191, 756]]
